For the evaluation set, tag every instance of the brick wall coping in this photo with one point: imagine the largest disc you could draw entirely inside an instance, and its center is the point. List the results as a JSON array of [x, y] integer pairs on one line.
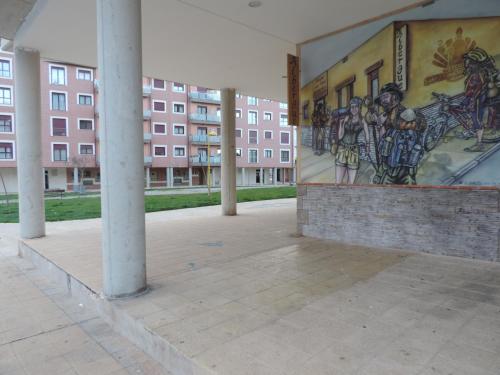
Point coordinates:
[[421, 187]]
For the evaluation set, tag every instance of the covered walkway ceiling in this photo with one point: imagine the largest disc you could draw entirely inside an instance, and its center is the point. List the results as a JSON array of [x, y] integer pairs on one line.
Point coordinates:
[[214, 43]]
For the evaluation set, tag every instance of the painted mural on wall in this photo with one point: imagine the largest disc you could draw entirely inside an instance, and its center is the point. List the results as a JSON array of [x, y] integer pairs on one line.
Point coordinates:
[[418, 103]]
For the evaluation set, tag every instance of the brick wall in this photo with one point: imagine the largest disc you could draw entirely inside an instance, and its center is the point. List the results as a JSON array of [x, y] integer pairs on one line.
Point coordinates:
[[462, 222]]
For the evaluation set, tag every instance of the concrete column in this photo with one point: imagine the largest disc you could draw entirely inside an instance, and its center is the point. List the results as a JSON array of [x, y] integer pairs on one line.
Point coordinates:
[[244, 181], [122, 151], [261, 176], [190, 174], [148, 178], [275, 176], [30, 174], [294, 178], [75, 179], [171, 176], [228, 152]]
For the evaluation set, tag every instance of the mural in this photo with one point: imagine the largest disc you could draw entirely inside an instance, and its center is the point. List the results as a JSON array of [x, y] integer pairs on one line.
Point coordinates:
[[417, 103]]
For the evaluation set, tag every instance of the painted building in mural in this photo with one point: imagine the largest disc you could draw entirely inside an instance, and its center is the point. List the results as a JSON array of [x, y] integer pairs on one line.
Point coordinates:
[[417, 103]]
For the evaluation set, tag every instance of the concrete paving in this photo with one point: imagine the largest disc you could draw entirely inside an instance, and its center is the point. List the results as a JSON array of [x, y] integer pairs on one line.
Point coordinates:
[[46, 331], [245, 295]]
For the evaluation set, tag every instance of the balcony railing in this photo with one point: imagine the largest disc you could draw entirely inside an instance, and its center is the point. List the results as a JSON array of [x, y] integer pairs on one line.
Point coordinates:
[[202, 160], [148, 160], [147, 114], [205, 139], [147, 137], [204, 118], [205, 97]]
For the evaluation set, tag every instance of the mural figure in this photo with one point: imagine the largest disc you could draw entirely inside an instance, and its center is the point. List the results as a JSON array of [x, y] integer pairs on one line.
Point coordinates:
[[320, 118], [478, 65], [401, 132], [348, 151]]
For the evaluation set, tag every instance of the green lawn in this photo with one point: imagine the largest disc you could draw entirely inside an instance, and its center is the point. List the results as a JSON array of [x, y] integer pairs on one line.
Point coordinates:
[[88, 208]]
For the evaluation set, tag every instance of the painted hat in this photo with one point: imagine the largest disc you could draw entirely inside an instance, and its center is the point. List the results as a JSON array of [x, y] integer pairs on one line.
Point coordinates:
[[392, 88]]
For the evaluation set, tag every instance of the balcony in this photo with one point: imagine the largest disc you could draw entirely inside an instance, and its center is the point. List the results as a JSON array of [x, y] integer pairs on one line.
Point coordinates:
[[147, 137], [96, 84], [203, 118], [202, 160], [148, 161], [146, 90], [205, 97], [203, 139], [147, 114]]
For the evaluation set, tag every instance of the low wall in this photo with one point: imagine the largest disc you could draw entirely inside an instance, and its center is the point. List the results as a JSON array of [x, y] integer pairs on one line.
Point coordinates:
[[456, 221]]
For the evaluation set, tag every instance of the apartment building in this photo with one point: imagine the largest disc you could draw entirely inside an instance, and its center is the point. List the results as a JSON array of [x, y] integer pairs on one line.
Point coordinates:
[[181, 132]]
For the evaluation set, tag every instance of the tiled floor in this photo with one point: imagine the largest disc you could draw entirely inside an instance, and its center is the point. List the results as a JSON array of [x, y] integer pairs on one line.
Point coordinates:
[[44, 331], [244, 295]]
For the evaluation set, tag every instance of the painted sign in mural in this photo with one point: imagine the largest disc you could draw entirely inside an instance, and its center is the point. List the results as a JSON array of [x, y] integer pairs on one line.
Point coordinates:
[[417, 103]]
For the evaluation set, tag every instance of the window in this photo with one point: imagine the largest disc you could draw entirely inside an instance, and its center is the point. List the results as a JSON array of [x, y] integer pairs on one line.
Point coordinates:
[[284, 138], [84, 74], [345, 92], [372, 75], [159, 84], [283, 119], [5, 68], [179, 108], [252, 117], [159, 106], [268, 153], [57, 75], [238, 113], [252, 100], [284, 105], [85, 124], [253, 137], [58, 101], [59, 126], [179, 129], [59, 152], [159, 128], [85, 99], [239, 133], [202, 110], [179, 151], [86, 149], [253, 155], [160, 151], [284, 156], [268, 116], [6, 124], [238, 95], [6, 150], [178, 87], [268, 134], [238, 152], [6, 96]]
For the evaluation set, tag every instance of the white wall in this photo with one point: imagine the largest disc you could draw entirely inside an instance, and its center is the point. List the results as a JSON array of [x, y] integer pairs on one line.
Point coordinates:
[[10, 179], [57, 178]]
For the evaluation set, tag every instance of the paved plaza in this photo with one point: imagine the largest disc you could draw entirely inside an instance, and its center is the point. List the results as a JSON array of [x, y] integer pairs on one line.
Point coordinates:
[[245, 295]]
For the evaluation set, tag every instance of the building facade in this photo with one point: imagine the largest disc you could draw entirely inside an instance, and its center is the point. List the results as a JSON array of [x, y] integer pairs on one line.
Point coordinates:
[[182, 139]]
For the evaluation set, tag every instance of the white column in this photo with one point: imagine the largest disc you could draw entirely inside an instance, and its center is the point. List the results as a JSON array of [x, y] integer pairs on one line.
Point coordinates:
[[30, 174], [75, 179], [275, 176], [148, 178], [228, 152], [244, 181], [171, 176], [122, 151], [190, 176], [261, 176], [294, 173]]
